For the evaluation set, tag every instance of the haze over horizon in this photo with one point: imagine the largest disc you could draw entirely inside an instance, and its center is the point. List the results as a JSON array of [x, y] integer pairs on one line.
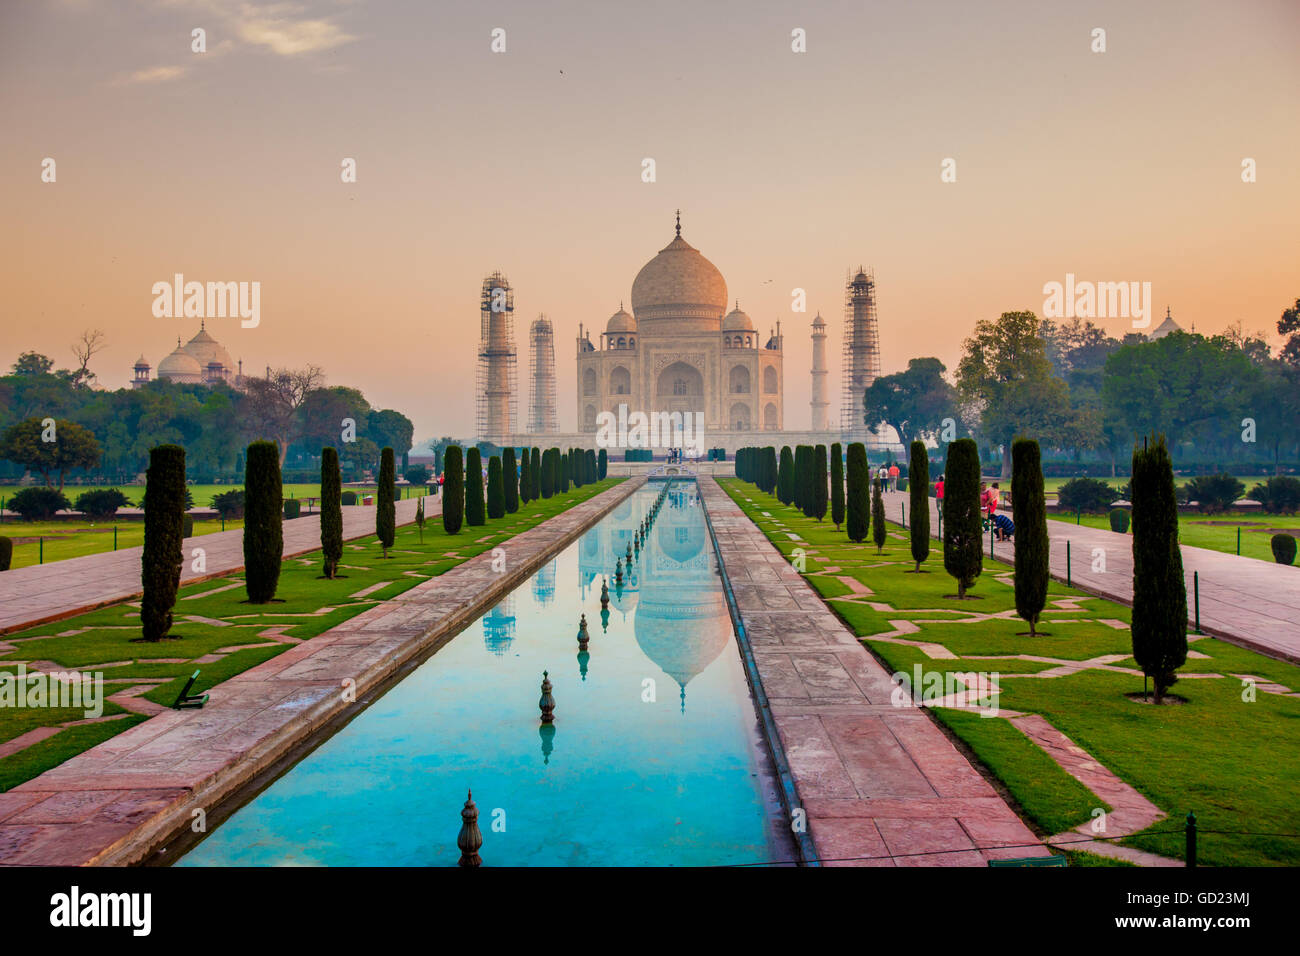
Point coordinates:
[[789, 169]]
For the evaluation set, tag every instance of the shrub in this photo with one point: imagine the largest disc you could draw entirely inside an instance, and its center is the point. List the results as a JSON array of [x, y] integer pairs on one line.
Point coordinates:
[[453, 490], [6, 553], [1284, 548], [963, 551], [878, 516], [496, 491], [819, 488], [1280, 495], [1214, 494], [161, 557], [263, 521], [386, 512], [417, 475], [292, 508], [230, 504], [1029, 514], [837, 485], [602, 463], [1118, 520], [37, 503], [331, 511], [1159, 619], [348, 498], [102, 503], [859, 515], [510, 476], [1088, 495], [474, 512], [920, 504]]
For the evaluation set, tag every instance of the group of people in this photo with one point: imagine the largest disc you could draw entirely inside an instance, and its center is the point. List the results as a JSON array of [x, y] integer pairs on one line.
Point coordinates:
[[888, 476], [990, 496]]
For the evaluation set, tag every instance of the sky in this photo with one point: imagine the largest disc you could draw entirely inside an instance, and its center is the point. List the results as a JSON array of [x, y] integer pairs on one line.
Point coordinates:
[[789, 168]]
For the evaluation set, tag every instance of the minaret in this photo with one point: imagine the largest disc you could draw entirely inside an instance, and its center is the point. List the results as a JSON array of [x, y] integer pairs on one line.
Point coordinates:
[[819, 403]]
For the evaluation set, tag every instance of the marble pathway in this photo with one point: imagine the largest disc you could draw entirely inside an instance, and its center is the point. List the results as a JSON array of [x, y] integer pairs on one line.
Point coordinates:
[[49, 592], [881, 784], [117, 802], [1251, 603]]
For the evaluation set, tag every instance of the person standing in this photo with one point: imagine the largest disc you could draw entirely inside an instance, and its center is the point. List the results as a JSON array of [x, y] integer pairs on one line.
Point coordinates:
[[938, 491], [893, 476]]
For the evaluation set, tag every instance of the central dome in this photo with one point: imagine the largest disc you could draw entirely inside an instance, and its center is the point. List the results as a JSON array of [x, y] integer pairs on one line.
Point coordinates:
[[679, 282]]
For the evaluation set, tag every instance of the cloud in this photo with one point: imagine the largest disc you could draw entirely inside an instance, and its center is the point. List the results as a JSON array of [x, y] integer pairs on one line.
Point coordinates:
[[283, 30], [154, 74]]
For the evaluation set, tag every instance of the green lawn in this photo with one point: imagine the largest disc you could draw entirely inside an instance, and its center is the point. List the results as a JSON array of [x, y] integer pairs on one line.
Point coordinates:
[[1232, 761], [307, 605], [1219, 532]]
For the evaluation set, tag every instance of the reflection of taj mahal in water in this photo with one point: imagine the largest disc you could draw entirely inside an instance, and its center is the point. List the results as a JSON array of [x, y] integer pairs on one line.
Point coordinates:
[[678, 610]]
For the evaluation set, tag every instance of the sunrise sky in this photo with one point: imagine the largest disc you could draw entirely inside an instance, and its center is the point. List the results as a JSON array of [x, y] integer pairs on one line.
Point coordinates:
[[788, 168]]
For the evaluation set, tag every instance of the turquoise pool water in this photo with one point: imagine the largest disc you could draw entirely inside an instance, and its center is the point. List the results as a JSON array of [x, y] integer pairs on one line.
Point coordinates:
[[655, 758]]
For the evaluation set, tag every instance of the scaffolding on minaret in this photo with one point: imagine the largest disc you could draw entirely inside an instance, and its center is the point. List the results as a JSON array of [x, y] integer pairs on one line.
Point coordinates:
[[496, 404], [543, 417], [861, 353]]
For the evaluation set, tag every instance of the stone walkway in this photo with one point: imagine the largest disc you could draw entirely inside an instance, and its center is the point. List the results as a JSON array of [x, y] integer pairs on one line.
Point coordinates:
[[49, 592], [880, 784], [1244, 601], [118, 802]]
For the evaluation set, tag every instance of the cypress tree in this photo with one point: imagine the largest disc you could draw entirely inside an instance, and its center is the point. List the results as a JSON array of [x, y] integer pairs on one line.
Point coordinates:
[[594, 473], [548, 474], [526, 493], [535, 464], [1029, 513], [837, 485], [386, 513], [803, 470], [603, 464], [785, 477], [474, 514], [580, 476], [769, 470], [566, 471], [453, 490], [331, 511], [918, 486], [496, 491], [263, 521], [819, 482], [160, 563], [963, 540], [510, 475], [859, 516], [1159, 624], [878, 516]]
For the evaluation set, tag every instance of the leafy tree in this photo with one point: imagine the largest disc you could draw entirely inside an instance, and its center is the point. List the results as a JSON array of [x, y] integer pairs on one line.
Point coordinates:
[[453, 490], [331, 511], [1005, 374], [474, 512], [161, 557], [1159, 619], [72, 447], [1288, 325], [913, 402], [1088, 495], [496, 491], [963, 552], [819, 488], [1280, 495], [510, 472], [878, 516], [1214, 494], [272, 403], [1029, 514], [918, 486], [386, 512], [101, 503], [37, 503], [837, 485], [417, 475], [263, 521], [33, 363], [230, 504], [859, 507]]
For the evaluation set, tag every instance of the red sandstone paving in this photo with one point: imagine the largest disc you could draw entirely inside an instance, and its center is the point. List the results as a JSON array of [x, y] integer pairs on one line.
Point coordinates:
[[881, 784], [83, 809]]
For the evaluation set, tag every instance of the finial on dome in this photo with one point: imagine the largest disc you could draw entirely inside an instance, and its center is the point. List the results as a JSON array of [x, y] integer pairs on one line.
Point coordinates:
[[202, 324], [679, 224], [1167, 315]]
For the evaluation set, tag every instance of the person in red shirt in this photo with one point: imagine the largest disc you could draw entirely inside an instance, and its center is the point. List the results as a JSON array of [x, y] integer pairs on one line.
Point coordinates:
[[994, 494], [938, 488], [893, 476]]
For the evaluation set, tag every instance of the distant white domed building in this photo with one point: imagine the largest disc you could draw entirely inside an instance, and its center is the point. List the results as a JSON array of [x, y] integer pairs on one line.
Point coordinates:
[[200, 361]]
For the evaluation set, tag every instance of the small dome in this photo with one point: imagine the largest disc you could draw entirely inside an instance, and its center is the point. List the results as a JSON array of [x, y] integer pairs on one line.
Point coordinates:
[[180, 366], [737, 321], [621, 321], [141, 362]]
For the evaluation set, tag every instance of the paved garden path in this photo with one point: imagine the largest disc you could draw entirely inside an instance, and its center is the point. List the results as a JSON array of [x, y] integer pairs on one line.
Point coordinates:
[[880, 783], [119, 801], [49, 592], [1245, 601]]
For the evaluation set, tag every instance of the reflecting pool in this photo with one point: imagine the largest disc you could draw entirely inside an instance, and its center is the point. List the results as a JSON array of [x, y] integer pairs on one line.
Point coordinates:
[[654, 758]]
